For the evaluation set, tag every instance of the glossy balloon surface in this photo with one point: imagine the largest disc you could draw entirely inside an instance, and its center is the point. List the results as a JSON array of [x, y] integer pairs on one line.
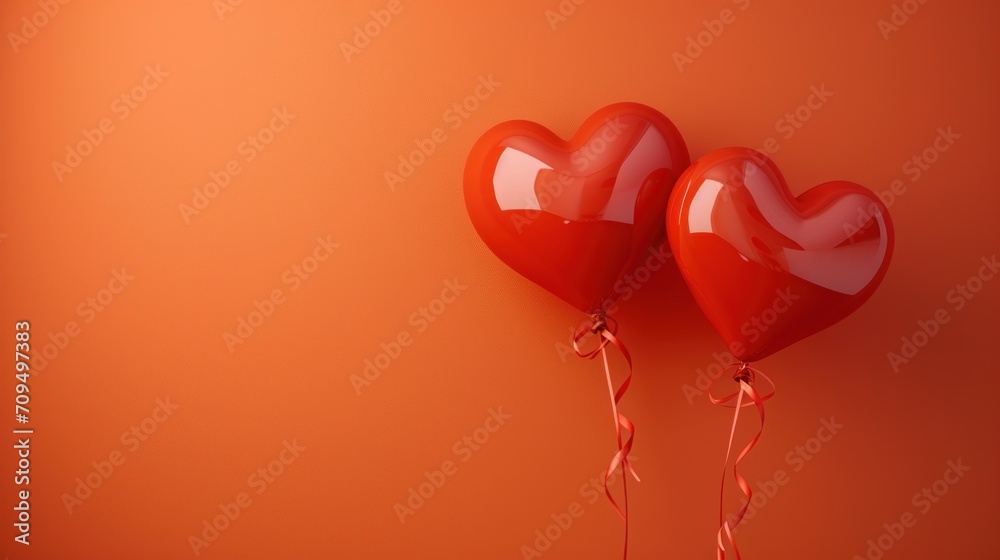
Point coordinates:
[[574, 216], [769, 269]]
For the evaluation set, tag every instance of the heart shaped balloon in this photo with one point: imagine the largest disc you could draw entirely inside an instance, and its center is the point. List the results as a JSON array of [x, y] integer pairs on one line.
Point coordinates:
[[769, 269], [574, 216]]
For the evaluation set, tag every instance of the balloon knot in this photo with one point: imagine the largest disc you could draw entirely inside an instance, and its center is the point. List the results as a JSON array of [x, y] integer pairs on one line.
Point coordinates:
[[597, 323], [744, 373]]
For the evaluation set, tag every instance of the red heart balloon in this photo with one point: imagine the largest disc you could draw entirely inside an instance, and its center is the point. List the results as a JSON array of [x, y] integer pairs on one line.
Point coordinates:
[[766, 268], [574, 216]]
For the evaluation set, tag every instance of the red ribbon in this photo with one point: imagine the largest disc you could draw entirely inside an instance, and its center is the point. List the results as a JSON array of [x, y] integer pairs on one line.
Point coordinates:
[[606, 327], [745, 376]]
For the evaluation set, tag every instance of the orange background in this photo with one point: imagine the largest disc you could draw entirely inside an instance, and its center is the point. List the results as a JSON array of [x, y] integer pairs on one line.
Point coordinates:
[[496, 344]]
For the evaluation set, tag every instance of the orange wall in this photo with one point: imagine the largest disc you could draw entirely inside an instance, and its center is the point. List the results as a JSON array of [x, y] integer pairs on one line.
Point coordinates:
[[131, 295]]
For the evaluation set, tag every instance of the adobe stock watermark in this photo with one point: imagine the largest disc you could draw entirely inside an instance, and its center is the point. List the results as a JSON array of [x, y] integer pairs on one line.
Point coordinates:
[[420, 321], [796, 458], [959, 297], [562, 520], [121, 107], [556, 183], [561, 12], [913, 168], [698, 43], [365, 33], [791, 122], [919, 163], [249, 148], [923, 501], [131, 440], [463, 449], [258, 482], [31, 25], [225, 7], [454, 117], [752, 329], [293, 277], [624, 290], [87, 310], [899, 17]]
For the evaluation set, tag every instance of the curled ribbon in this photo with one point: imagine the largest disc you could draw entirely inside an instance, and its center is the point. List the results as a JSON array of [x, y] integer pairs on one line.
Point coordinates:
[[745, 376], [606, 327]]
